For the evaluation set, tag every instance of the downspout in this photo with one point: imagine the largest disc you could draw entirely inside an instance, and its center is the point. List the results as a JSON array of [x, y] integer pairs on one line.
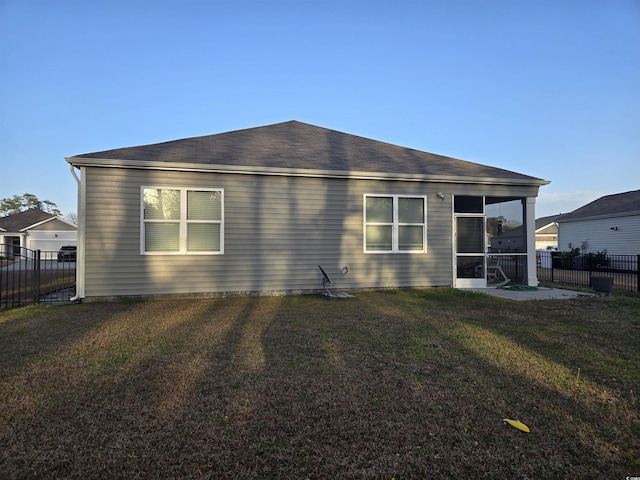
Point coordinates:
[[73, 172], [80, 254]]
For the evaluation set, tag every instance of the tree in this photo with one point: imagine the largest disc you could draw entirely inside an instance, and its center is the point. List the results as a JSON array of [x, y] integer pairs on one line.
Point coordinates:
[[72, 217], [495, 225], [19, 203]]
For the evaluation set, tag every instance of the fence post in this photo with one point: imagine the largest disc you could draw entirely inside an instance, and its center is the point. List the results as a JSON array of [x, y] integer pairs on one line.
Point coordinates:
[[638, 272], [36, 277]]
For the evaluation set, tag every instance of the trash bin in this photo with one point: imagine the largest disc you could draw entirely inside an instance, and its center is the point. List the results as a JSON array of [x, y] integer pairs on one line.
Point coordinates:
[[602, 284]]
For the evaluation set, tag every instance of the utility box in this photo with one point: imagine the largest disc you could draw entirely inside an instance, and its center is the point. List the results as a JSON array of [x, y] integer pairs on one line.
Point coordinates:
[[545, 259], [602, 284]]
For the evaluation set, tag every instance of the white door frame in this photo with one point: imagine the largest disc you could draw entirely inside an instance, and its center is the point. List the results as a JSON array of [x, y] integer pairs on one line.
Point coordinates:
[[476, 282]]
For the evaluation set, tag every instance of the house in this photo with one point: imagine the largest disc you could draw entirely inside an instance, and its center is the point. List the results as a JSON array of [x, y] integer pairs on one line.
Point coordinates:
[[610, 223], [257, 211], [510, 239], [547, 232], [35, 230]]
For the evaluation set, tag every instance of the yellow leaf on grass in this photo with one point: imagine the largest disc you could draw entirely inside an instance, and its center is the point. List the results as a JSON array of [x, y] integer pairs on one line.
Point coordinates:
[[517, 424]]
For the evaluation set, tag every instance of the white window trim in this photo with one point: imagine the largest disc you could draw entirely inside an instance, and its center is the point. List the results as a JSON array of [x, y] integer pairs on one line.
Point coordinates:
[[395, 225], [182, 221]]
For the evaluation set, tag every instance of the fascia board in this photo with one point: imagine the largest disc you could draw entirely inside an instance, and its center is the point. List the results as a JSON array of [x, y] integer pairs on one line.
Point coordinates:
[[545, 226], [71, 224], [29, 227], [37, 224], [601, 217], [299, 172]]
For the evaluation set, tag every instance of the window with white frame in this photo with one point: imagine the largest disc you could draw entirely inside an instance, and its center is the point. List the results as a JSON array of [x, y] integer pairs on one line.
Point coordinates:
[[395, 223], [182, 221]]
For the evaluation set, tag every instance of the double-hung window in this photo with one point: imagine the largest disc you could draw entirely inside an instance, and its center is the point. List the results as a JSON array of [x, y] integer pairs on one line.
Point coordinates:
[[395, 224], [182, 221]]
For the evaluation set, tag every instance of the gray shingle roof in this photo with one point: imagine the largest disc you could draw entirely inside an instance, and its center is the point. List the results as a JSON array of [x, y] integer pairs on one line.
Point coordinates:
[[18, 221], [298, 146], [607, 206], [544, 221]]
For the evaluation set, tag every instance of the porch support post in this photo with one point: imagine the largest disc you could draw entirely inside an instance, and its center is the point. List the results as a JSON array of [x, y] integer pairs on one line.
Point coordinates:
[[530, 222]]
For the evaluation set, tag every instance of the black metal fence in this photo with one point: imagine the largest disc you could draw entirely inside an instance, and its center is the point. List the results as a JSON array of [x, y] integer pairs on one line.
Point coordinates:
[[33, 276], [575, 268]]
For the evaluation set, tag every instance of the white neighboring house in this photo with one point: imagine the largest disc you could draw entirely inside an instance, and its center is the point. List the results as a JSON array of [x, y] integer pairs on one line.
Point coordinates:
[[610, 223], [546, 236], [547, 232], [35, 230]]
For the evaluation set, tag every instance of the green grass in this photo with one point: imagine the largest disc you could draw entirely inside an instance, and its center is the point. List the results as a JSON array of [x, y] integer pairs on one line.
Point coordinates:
[[397, 384]]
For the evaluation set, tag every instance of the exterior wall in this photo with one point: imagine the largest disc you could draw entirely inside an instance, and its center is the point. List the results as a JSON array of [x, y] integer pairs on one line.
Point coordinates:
[[50, 236], [277, 230], [7, 244], [599, 237], [547, 237], [546, 244], [54, 225]]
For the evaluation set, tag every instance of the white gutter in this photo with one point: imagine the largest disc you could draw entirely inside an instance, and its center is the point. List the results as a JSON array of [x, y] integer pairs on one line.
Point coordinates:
[[73, 172], [300, 172]]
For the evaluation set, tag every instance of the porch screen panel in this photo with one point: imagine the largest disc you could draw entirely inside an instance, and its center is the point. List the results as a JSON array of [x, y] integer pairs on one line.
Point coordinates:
[[470, 235]]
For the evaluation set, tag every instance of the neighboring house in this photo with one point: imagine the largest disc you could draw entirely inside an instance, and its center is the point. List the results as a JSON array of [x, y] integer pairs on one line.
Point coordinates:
[[513, 240], [547, 232], [35, 230], [610, 223], [255, 211]]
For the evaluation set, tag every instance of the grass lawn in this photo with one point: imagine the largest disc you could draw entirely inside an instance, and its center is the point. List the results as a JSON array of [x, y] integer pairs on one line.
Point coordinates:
[[395, 384]]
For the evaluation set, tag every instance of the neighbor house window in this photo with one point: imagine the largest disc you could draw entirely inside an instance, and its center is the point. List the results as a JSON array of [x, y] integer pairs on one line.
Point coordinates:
[[182, 221], [394, 223]]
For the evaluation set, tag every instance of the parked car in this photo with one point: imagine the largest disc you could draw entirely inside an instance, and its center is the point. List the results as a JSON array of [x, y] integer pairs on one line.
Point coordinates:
[[67, 253]]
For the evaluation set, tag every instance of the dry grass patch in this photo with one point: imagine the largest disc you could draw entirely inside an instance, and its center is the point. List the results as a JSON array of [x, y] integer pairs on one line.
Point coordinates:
[[403, 384]]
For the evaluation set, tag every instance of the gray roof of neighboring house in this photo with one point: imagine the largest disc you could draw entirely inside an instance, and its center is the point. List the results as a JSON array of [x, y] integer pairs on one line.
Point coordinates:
[[22, 220], [543, 221], [619, 204], [300, 149]]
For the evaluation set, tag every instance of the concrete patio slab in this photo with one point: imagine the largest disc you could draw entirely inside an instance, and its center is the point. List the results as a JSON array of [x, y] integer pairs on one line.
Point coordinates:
[[541, 293]]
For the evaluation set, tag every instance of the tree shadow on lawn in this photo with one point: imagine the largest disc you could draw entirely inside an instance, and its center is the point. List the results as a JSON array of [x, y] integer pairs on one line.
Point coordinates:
[[593, 337], [361, 397], [30, 334], [295, 387]]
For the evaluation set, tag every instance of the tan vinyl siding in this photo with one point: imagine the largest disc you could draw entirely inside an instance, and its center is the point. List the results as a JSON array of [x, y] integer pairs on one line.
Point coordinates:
[[277, 229]]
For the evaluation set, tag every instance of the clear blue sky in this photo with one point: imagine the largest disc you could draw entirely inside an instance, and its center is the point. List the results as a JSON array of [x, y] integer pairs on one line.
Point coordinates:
[[549, 88]]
